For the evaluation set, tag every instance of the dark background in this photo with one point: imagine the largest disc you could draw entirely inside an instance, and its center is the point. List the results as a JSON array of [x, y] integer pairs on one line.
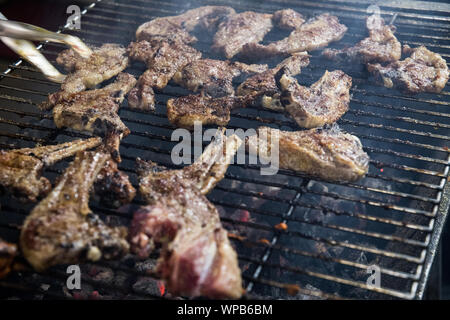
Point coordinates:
[[51, 14]]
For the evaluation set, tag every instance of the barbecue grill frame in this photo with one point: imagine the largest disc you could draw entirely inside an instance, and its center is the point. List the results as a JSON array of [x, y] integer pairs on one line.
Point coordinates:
[[441, 207]]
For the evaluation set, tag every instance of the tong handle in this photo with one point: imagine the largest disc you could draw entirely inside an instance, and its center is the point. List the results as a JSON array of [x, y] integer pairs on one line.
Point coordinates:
[[20, 30]]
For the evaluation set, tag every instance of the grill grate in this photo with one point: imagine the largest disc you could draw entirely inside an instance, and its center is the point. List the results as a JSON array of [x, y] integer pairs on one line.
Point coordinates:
[[393, 218]]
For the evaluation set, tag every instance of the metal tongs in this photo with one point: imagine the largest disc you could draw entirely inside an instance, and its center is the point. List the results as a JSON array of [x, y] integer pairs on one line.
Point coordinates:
[[15, 35]]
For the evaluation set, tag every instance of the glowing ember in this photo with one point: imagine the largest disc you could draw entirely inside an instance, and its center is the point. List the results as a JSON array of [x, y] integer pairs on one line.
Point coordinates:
[[281, 226], [244, 216], [162, 288], [292, 289], [95, 295]]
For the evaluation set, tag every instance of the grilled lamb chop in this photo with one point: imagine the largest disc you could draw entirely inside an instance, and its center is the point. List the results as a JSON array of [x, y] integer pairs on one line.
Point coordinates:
[[263, 87], [8, 252], [20, 169], [322, 103], [197, 258], [312, 35], [103, 64], [96, 111], [380, 46], [213, 77], [287, 19], [163, 58], [239, 30], [328, 154], [422, 71], [183, 112], [113, 187], [61, 229], [178, 27]]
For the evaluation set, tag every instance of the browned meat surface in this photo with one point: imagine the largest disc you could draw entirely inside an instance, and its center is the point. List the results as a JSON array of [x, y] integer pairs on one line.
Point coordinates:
[[8, 252], [322, 103], [239, 30], [103, 64], [248, 69], [96, 111], [183, 112], [422, 71], [213, 77], [113, 186], [197, 258], [263, 87], [61, 229], [328, 154], [20, 169], [163, 58], [287, 19], [380, 46], [311, 35], [207, 18]]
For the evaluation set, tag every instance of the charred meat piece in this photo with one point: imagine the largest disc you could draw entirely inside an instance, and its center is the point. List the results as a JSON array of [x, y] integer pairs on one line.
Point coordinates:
[[96, 111], [20, 169], [61, 229], [380, 46], [103, 64], [312, 35], [163, 58], [328, 154], [287, 19], [142, 97], [178, 27], [213, 77], [248, 69], [183, 112], [422, 71], [263, 87], [113, 186], [239, 30], [322, 103], [197, 258], [8, 252]]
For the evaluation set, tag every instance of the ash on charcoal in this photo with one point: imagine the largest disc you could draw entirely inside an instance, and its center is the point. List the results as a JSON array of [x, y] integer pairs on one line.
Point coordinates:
[[147, 285]]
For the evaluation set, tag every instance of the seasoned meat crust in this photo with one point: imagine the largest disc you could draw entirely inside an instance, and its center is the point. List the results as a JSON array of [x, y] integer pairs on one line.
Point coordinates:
[[207, 18], [163, 58], [61, 229], [328, 154], [422, 71], [184, 111], [322, 103], [213, 77], [311, 35], [103, 64], [262, 86], [380, 46], [113, 186], [20, 169], [197, 258], [96, 111], [287, 19], [239, 30], [8, 252]]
